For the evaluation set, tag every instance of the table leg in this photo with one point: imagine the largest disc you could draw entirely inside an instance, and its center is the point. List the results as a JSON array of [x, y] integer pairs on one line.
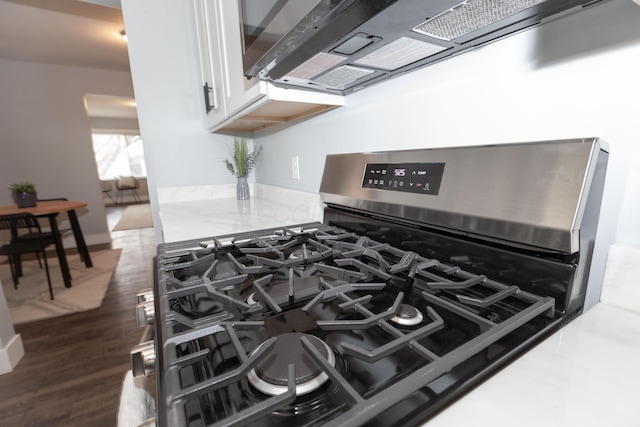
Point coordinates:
[[17, 261], [62, 256], [77, 234]]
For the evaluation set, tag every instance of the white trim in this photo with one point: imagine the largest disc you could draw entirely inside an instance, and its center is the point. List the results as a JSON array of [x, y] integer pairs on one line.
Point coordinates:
[[96, 238], [11, 354]]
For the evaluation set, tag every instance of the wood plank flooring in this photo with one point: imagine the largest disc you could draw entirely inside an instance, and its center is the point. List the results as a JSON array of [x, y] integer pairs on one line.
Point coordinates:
[[72, 371]]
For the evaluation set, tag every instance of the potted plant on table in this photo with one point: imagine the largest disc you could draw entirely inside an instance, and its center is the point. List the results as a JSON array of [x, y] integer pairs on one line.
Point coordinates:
[[24, 194], [242, 163]]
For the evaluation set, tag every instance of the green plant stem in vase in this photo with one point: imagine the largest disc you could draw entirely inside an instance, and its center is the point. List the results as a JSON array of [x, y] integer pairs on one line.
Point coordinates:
[[243, 162]]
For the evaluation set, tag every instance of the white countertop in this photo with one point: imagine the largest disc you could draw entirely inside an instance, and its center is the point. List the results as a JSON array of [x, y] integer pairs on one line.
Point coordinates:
[[197, 212], [586, 374]]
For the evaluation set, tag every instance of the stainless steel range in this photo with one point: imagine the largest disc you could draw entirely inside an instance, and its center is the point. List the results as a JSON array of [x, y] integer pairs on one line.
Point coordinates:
[[431, 270]]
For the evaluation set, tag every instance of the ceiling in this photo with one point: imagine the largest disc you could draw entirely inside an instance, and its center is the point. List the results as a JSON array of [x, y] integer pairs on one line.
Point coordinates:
[[69, 32]]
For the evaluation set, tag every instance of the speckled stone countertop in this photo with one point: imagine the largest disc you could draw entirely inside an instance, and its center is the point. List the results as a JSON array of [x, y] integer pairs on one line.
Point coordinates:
[[191, 213]]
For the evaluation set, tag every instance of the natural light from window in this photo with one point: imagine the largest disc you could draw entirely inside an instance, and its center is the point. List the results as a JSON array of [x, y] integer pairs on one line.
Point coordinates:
[[118, 154]]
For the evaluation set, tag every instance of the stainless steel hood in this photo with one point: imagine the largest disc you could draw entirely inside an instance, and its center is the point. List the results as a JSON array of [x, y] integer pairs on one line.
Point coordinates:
[[341, 46], [543, 195]]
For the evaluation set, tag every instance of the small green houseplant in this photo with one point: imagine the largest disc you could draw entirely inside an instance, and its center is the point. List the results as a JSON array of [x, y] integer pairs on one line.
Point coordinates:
[[24, 194], [243, 162]]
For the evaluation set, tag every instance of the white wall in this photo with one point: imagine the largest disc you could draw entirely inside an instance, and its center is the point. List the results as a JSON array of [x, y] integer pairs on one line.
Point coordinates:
[[109, 124], [573, 77], [164, 68], [578, 76], [46, 135]]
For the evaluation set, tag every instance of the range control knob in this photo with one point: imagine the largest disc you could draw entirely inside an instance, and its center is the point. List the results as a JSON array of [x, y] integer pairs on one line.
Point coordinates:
[[144, 296], [145, 313], [143, 359]]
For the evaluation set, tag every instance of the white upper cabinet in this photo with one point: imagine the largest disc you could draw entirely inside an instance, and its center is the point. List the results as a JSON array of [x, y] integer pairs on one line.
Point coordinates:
[[239, 91], [231, 103], [211, 72]]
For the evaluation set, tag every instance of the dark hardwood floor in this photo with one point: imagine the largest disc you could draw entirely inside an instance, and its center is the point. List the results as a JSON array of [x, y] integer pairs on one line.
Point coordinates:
[[73, 367]]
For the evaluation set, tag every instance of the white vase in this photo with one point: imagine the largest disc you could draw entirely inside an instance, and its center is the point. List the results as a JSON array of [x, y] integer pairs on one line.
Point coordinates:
[[242, 189]]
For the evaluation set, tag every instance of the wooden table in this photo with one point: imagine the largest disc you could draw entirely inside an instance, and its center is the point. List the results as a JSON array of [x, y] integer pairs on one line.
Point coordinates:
[[51, 209]]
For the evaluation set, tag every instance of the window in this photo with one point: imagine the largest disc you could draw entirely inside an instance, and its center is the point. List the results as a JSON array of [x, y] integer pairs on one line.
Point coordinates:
[[118, 154]]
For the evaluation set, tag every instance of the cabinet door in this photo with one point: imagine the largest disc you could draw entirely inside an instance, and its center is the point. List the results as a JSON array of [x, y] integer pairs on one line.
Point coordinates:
[[239, 91], [211, 67]]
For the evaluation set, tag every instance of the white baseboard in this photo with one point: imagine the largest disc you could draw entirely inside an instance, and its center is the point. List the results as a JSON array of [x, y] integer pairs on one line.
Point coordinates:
[[11, 354]]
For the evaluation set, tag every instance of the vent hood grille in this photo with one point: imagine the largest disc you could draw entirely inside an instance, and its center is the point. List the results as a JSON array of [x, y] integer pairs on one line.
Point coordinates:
[[362, 42], [471, 16]]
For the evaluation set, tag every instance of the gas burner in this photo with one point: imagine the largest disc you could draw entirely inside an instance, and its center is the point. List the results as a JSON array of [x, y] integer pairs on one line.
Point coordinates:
[[298, 253], [305, 254], [251, 299], [270, 376], [407, 315]]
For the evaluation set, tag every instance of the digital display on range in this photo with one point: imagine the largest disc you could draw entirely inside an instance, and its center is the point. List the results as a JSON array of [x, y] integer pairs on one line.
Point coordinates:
[[422, 178]]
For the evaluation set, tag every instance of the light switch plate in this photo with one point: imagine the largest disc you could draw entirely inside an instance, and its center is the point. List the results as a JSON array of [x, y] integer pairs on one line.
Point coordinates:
[[295, 167]]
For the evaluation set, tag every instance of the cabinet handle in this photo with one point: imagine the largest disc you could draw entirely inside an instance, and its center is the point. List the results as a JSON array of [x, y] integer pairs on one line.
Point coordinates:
[[207, 101]]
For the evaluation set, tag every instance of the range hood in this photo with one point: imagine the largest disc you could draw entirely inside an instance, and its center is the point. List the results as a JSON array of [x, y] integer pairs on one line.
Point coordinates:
[[342, 46]]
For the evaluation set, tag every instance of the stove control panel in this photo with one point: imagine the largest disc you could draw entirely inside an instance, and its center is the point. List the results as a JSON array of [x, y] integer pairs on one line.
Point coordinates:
[[421, 178]]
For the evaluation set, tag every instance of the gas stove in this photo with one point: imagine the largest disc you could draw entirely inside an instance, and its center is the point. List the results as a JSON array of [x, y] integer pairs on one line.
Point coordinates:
[[408, 294]]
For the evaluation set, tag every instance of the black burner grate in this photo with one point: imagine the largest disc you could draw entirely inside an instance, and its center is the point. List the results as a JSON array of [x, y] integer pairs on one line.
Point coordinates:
[[224, 302]]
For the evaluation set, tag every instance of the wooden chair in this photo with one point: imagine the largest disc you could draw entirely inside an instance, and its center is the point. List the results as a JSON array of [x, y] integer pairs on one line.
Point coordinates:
[[18, 247]]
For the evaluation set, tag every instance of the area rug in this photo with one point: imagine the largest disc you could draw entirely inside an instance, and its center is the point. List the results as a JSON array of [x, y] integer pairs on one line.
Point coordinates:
[[135, 216], [31, 301]]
